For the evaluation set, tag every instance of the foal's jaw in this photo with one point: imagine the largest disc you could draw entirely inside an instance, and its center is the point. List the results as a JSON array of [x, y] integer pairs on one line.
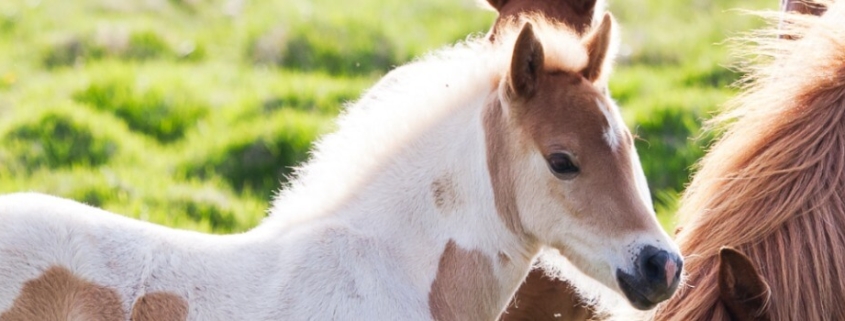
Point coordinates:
[[583, 184]]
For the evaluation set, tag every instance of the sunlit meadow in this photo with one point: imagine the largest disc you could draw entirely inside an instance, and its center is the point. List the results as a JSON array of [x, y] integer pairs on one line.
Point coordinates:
[[190, 113]]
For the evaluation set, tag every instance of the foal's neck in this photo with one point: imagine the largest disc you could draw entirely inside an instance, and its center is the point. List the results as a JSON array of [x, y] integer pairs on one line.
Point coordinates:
[[431, 204], [436, 200]]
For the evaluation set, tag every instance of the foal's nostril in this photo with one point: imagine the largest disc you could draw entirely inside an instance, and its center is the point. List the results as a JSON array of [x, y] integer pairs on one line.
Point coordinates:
[[655, 267]]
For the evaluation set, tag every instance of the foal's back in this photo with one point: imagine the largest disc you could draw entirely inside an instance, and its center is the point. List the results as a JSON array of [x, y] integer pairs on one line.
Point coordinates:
[[62, 260]]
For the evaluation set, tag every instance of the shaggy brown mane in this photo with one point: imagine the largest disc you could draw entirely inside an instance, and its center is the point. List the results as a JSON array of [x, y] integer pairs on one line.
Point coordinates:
[[773, 186]]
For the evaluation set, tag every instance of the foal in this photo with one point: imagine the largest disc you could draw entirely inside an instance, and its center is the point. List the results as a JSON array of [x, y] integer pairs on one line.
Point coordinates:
[[430, 201]]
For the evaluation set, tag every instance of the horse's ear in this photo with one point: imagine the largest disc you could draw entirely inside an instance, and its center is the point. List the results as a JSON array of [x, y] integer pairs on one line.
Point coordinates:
[[741, 288], [582, 6], [526, 64], [598, 44], [802, 7], [497, 4], [806, 7]]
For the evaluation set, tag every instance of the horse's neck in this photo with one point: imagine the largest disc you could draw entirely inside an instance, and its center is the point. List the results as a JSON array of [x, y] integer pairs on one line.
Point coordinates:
[[435, 199], [432, 203], [438, 182]]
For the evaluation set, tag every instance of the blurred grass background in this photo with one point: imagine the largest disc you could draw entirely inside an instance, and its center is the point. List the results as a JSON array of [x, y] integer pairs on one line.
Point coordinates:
[[189, 112]]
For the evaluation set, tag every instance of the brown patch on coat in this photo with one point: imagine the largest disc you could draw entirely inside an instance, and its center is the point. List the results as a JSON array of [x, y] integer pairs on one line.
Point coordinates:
[[58, 295], [501, 172], [465, 287], [160, 306], [504, 259], [543, 298], [445, 194]]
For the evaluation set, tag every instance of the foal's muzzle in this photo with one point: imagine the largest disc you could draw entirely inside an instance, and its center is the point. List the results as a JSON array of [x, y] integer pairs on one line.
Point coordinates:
[[656, 276]]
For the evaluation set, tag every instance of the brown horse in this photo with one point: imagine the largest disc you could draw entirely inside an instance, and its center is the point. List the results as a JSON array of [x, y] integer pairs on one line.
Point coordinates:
[[773, 186]]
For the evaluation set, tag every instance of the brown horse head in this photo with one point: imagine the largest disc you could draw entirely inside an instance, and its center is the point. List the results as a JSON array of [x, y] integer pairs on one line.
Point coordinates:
[[577, 14]]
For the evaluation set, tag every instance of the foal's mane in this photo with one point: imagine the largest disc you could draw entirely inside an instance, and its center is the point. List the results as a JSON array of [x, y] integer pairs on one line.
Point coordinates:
[[403, 104], [773, 185]]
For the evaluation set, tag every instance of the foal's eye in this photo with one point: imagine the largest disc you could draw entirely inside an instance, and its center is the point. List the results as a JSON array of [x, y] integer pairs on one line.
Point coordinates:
[[562, 165]]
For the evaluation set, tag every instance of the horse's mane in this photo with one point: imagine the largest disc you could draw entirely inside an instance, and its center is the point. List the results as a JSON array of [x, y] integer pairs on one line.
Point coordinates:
[[395, 111], [773, 185]]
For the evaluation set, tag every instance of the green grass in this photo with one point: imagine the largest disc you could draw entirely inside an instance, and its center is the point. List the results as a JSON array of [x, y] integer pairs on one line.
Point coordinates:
[[190, 113]]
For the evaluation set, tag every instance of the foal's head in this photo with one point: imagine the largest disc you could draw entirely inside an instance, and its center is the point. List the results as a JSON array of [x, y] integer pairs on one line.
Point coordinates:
[[565, 172]]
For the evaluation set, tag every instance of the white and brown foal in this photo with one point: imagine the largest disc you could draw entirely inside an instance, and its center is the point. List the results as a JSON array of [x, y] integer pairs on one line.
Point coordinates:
[[429, 202]]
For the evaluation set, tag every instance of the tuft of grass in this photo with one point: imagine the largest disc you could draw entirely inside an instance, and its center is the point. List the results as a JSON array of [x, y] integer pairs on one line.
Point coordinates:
[[8, 21], [140, 45], [58, 138], [162, 114], [345, 49], [258, 154], [146, 45], [327, 96], [70, 51]]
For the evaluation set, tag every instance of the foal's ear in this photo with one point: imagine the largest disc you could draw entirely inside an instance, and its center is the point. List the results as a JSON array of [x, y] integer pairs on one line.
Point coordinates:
[[598, 44], [526, 64], [741, 289]]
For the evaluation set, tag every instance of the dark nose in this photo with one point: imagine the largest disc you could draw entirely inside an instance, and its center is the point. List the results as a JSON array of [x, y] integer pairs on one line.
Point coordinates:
[[656, 277], [659, 267]]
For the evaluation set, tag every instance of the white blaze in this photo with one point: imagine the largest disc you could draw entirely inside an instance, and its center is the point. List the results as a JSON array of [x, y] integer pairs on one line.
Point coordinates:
[[611, 133]]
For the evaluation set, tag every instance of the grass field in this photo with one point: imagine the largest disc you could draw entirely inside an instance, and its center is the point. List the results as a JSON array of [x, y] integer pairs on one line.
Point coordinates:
[[189, 112]]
